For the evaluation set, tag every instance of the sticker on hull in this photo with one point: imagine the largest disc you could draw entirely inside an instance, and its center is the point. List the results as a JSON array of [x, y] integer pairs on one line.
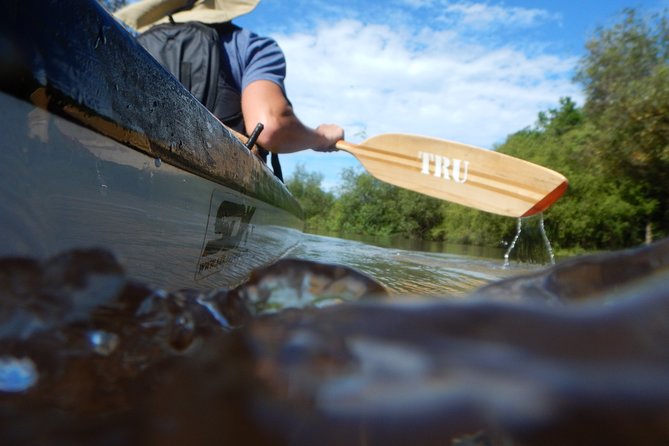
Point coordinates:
[[226, 235]]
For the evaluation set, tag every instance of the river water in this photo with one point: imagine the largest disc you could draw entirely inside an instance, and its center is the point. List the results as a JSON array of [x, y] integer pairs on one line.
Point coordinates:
[[413, 267], [571, 354]]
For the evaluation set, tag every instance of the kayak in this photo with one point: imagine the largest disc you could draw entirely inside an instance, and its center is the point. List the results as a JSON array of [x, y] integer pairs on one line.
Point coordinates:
[[102, 147]]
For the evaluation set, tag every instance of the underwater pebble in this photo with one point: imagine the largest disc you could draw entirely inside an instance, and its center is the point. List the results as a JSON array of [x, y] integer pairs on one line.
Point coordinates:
[[103, 342]]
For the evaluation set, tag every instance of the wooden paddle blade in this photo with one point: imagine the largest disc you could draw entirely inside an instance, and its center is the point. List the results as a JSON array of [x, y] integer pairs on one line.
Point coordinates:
[[478, 178]]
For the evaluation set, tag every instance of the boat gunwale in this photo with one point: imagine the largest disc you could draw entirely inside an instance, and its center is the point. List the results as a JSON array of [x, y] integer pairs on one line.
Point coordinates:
[[90, 70]]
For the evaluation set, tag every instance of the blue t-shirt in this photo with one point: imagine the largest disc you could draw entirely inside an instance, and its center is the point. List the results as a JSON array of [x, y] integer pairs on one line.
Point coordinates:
[[252, 57]]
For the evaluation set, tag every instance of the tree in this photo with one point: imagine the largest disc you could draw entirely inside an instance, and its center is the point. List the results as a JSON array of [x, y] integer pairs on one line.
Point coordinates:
[[306, 188], [626, 78], [559, 121], [364, 206], [629, 51]]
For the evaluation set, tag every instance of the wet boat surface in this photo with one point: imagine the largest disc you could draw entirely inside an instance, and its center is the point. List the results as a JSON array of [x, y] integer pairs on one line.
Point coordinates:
[[102, 147]]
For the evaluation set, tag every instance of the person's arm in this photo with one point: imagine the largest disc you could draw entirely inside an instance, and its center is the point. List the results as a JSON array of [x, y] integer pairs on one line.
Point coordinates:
[[263, 101]]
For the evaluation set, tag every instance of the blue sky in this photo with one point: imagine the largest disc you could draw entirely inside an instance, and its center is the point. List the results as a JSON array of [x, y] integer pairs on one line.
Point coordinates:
[[472, 71]]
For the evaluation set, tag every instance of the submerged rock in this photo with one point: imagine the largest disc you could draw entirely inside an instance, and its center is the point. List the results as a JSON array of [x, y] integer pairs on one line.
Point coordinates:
[[594, 277], [295, 283], [309, 353], [422, 373]]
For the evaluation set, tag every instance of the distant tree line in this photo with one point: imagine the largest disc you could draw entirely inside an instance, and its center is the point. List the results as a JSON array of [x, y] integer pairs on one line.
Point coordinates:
[[614, 150]]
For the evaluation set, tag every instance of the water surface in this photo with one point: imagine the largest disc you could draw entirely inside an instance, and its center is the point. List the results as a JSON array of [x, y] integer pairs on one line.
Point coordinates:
[[417, 271]]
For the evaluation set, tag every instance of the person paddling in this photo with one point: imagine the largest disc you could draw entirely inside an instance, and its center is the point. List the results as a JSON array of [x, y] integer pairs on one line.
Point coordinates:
[[242, 84]]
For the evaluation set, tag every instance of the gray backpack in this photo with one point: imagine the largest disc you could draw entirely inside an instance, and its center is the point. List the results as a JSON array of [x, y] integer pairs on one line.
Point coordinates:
[[191, 52]]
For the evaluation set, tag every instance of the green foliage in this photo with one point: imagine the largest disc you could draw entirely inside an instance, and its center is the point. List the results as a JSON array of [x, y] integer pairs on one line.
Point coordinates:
[[598, 211], [558, 121], [614, 151], [369, 206], [364, 206], [626, 79], [467, 226], [619, 56], [306, 188]]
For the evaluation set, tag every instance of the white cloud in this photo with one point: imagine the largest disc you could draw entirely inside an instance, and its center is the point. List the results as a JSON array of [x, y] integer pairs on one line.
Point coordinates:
[[483, 15], [352, 73], [377, 78]]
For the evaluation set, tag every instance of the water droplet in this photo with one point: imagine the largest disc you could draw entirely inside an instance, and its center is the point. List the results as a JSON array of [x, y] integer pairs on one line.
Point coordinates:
[[103, 342], [547, 242], [519, 228], [17, 375]]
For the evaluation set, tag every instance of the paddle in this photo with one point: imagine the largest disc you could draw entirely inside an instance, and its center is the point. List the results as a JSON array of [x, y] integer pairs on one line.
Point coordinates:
[[467, 175]]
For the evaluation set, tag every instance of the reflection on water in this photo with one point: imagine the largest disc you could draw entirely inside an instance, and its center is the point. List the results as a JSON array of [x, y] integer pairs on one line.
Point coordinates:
[[421, 245], [531, 243], [413, 267]]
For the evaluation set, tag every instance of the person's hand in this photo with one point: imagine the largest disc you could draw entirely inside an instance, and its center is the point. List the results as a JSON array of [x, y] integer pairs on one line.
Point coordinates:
[[330, 134]]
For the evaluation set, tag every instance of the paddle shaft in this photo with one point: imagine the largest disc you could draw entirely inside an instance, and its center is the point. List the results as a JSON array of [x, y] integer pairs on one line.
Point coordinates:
[[478, 178]]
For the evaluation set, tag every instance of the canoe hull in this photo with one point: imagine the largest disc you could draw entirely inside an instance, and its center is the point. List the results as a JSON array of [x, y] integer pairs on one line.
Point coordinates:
[[103, 148], [67, 187]]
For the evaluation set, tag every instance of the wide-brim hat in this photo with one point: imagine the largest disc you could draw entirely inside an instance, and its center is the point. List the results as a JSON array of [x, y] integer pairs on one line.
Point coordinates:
[[146, 13]]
